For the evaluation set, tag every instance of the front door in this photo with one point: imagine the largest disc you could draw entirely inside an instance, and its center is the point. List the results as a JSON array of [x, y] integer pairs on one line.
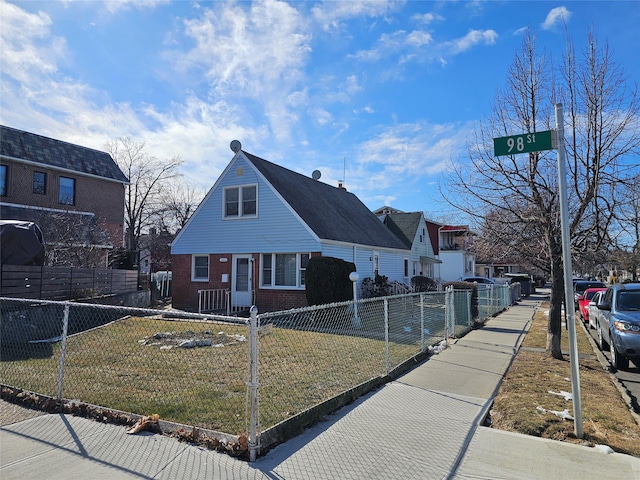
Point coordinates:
[[241, 294]]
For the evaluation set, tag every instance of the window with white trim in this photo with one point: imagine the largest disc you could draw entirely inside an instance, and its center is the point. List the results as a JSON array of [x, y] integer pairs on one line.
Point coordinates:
[[279, 270], [240, 201], [200, 268]]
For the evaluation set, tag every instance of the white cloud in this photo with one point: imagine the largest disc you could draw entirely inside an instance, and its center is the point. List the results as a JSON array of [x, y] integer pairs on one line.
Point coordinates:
[[418, 38], [473, 38], [242, 55], [427, 18], [322, 116], [401, 153], [28, 48], [118, 5], [558, 15], [331, 13], [396, 43]]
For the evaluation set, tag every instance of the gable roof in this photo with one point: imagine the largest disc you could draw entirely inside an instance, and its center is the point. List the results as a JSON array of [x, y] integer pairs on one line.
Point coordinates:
[[404, 225], [21, 145], [332, 213]]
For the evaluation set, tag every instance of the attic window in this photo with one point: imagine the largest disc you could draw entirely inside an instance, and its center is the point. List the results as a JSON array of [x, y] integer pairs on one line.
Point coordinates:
[[240, 201]]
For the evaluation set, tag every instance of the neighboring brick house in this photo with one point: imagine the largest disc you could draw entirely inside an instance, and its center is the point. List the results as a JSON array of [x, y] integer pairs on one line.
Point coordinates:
[[260, 223], [51, 182]]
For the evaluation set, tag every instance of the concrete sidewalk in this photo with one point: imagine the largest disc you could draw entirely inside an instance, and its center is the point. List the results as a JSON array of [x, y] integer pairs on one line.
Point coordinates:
[[426, 424]]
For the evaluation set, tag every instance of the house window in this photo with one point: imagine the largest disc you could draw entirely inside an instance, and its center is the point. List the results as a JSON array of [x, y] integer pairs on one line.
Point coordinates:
[[40, 183], [284, 269], [422, 236], [406, 267], [67, 191], [200, 268], [240, 201], [4, 180]]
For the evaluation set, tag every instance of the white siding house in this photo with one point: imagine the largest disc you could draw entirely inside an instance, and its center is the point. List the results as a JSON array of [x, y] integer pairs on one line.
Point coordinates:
[[260, 223]]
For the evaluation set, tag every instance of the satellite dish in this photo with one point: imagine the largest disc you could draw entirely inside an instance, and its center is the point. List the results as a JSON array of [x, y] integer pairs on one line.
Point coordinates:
[[235, 146], [316, 175]]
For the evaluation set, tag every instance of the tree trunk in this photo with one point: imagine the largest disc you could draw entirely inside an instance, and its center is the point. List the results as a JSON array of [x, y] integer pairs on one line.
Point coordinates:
[[554, 330]]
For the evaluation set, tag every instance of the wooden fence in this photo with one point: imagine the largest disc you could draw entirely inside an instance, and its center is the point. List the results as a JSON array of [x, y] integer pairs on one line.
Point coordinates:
[[64, 283]]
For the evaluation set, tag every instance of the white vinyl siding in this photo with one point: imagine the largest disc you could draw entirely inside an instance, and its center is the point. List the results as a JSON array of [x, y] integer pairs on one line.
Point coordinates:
[[275, 228]]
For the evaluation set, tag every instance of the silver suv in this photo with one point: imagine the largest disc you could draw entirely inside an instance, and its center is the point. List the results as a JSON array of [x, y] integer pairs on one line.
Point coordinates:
[[619, 325]]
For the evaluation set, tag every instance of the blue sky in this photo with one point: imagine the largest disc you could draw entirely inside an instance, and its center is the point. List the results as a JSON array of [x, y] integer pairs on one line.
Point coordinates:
[[380, 94]]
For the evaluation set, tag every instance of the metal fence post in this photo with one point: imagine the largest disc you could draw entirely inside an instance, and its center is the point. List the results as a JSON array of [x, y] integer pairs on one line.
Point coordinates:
[[447, 295], [386, 334], [469, 313], [422, 342], [253, 384], [63, 349]]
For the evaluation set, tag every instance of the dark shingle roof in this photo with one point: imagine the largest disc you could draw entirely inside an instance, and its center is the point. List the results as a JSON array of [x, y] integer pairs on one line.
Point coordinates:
[[332, 213], [55, 153], [404, 225]]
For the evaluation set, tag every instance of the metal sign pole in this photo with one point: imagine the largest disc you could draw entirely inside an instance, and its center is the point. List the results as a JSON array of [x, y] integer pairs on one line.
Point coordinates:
[[568, 273]]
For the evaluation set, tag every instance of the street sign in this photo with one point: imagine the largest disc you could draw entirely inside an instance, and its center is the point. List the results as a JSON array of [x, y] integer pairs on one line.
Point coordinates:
[[523, 143]]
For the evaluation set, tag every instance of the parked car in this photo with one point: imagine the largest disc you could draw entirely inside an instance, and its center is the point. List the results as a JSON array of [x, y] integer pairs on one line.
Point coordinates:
[[619, 324], [585, 298], [579, 286], [593, 310]]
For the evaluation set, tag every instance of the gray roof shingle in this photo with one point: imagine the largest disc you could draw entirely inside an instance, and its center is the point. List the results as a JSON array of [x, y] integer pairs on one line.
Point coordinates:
[[404, 225], [56, 153], [332, 213]]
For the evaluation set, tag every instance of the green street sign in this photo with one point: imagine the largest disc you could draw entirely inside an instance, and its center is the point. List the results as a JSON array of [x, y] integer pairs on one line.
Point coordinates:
[[524, 143]]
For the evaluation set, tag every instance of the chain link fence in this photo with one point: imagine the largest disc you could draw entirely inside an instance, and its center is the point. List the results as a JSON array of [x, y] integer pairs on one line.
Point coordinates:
[[217, 372]]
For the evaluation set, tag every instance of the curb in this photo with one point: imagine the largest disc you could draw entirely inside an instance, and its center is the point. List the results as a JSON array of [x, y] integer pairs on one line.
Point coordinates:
[[607, 367]]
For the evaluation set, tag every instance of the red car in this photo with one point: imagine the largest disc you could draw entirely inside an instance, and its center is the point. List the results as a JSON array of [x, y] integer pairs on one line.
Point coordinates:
[[583, 302]]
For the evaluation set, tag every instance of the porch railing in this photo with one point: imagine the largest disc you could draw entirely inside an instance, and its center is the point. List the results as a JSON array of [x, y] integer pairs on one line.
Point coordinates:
[[218, 301], [214, 300]]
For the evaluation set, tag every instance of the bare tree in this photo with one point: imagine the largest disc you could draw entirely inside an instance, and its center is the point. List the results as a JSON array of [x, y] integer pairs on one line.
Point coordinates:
[[148, 178], [625, 253], [178, 202], [74, 239], [522, 190]]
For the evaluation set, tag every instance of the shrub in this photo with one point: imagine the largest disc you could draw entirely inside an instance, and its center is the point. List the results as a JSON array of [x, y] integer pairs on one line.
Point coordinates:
[[423, 284], [327, 280], [380, 287]]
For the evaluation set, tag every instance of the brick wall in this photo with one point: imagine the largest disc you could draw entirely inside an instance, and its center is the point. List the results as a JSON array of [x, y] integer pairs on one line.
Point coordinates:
[[104, 198], [275, 300], [185, 292]]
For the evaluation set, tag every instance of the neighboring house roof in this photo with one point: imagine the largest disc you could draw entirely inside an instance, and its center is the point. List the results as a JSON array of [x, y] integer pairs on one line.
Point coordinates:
[[386, 210], [404, 225], [331, 213], [454, 228], [21, 145]]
